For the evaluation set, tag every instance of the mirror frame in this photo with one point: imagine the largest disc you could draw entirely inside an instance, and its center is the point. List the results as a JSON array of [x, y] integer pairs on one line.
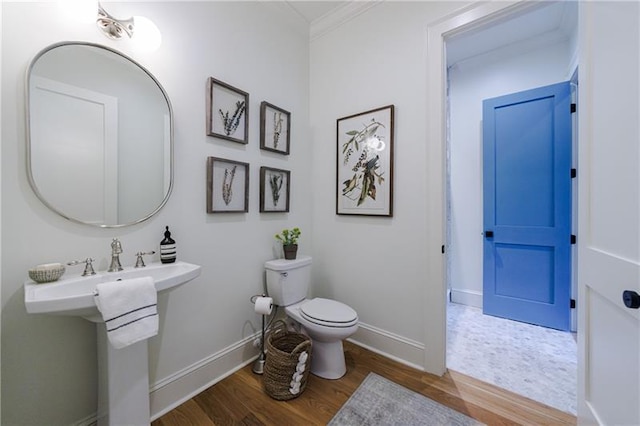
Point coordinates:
[[28, 133]]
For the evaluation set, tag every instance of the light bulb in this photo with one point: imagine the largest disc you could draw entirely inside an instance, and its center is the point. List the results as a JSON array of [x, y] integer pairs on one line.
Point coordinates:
[[146, 35]]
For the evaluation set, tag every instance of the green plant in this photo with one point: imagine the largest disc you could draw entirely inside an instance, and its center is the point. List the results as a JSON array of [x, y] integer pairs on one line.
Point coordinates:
[[289, 236]]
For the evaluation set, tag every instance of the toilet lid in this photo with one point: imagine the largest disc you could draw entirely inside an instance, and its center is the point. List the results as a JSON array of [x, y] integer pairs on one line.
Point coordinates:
[[329, 312]]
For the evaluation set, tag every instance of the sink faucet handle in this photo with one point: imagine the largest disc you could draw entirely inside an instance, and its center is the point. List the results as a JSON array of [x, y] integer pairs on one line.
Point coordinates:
[[116, 246], [88, 266], [140, 260]]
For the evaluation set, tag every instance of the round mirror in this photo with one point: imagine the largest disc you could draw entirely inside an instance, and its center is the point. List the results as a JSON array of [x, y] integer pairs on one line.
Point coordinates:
[[99, 135]]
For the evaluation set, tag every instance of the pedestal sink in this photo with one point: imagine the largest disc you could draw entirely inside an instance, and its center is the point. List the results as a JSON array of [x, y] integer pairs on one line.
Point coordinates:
[[123, 373]]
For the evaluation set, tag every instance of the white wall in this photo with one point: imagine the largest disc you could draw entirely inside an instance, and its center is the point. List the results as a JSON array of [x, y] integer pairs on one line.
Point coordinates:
[[49, 363], [511, 69], [378, 265]]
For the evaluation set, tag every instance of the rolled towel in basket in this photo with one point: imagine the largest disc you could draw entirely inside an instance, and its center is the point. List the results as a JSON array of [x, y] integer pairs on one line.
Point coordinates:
[[129, 309]]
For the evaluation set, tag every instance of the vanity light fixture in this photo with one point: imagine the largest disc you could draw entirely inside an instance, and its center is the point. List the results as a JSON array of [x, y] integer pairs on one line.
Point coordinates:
[[142, 31], [112, 27]]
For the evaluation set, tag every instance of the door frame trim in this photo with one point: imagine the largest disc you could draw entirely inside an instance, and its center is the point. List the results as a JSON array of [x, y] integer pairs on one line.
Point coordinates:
[[435, 297]]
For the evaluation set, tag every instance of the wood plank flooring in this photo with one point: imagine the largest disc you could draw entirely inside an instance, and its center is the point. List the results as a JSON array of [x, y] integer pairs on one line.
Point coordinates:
[[240, 400]]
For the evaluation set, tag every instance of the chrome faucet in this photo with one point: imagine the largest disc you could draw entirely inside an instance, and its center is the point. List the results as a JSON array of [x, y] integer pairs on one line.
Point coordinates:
[[116, 250], [88, 266], [140, 260]]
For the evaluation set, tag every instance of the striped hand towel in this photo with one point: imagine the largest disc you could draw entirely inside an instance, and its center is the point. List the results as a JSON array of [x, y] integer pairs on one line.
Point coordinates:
[[129, 309]]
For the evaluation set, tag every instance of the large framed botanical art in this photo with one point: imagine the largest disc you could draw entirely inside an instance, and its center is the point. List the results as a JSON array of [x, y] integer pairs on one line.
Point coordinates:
[[275, 127], [227, 111], [275, 187], [364, 182], [227, 186]]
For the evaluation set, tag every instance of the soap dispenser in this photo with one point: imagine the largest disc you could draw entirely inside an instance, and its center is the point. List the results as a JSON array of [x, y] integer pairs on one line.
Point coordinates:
[[167, 248]]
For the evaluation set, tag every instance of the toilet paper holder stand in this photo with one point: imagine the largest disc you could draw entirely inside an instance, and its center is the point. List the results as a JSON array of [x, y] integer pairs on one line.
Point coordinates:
[[258, 365]]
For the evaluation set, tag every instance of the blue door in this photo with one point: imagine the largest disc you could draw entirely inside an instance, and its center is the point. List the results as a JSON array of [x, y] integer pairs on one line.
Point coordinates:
[[527, 206]]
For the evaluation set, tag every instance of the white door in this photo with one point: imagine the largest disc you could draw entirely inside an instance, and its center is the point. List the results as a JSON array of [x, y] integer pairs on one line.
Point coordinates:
[[78, 128], [609, 213]]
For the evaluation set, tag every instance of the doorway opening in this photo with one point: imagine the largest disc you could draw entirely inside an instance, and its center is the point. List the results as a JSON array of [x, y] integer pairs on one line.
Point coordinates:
[[528, 48]]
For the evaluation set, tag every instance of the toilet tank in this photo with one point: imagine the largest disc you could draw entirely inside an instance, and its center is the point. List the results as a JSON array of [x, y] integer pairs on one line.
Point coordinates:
[[288, 280]]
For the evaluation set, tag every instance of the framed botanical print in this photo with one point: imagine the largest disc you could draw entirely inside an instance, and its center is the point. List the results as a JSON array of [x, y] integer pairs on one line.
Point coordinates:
[[227, 112], [275, 188], [275, 128], [227, 186], [364, 181]]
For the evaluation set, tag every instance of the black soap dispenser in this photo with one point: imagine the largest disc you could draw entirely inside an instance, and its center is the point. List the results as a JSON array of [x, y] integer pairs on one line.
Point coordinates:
[[167, 248]]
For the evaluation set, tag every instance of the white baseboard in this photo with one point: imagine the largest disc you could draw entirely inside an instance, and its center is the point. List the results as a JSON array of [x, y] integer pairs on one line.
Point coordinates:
[[178, 388], [393, 346], [466, 297], [172, 391]]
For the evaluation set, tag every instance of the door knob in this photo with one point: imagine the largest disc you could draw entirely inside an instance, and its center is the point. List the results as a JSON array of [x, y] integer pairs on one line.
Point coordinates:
[[631, 299], [488, 234]]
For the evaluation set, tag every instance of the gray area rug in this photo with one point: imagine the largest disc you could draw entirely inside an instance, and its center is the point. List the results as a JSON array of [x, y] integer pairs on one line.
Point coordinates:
[[379, 401]]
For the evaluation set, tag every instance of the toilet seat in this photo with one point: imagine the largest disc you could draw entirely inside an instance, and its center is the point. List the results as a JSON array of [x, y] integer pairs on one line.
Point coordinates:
[[328, 313]]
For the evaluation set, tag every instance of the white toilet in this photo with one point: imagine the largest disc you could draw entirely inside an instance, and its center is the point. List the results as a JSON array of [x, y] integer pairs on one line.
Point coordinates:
[[327, 322]]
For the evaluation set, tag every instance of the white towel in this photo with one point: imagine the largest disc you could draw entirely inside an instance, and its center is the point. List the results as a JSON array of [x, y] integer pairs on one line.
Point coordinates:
[[129, 309]]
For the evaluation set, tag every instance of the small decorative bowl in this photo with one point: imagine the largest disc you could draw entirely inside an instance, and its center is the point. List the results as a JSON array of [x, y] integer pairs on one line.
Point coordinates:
[[46, 273]]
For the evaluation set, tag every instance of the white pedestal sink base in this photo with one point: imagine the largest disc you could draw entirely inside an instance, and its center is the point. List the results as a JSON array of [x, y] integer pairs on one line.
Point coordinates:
[[123, 374], [123, 394]]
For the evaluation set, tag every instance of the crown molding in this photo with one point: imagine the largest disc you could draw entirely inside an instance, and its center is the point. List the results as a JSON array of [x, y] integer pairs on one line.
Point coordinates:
[[339, 16]]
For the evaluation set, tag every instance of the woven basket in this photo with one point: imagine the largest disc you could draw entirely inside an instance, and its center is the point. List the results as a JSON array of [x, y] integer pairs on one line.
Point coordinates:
[[288, 362]]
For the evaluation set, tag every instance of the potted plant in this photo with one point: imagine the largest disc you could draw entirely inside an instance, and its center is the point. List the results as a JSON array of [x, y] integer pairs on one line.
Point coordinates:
[[289, 239]]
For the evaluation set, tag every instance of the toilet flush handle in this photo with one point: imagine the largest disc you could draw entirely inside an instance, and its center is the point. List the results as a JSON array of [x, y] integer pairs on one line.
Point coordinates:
[[284, 274]]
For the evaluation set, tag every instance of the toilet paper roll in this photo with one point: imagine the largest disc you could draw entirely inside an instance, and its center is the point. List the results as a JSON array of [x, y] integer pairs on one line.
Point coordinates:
[[264, 305]]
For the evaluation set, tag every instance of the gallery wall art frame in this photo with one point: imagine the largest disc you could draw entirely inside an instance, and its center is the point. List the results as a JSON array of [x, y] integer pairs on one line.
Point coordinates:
[[364, 173], [227, 112], [275, 128], [227, 186], [275, 190]]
